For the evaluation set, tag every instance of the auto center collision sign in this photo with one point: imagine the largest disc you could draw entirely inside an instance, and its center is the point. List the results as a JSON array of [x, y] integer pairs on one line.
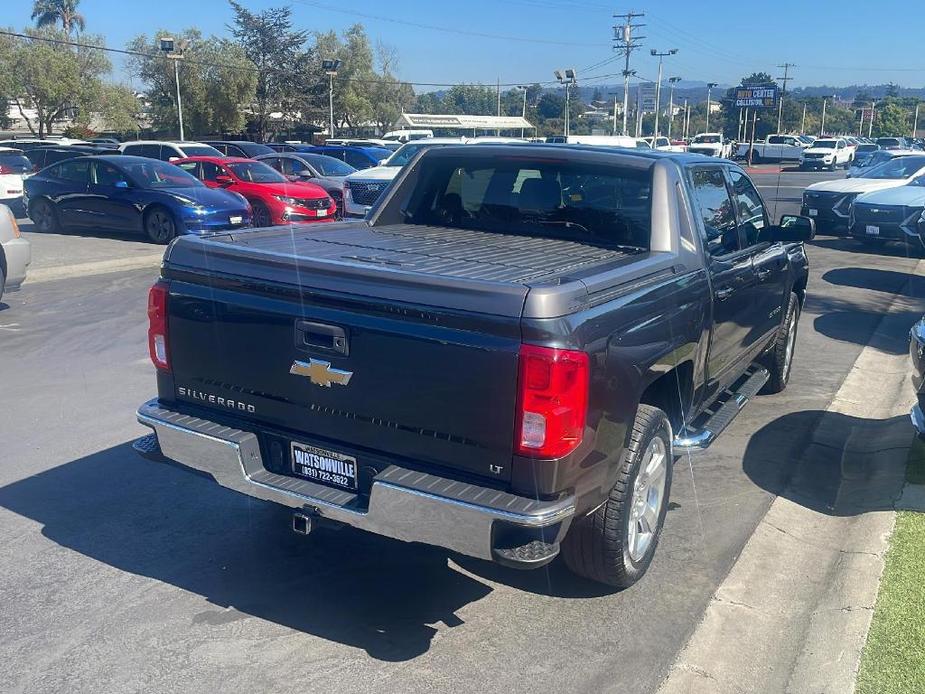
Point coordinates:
[[763, 96]]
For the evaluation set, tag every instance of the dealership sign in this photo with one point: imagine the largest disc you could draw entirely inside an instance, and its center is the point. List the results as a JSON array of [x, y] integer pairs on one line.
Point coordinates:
[[762, 96], [647, 97]]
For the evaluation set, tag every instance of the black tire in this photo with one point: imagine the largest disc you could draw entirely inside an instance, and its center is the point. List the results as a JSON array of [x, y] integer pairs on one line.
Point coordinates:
[[160, 226], [598, 545], [43, 214], [756, 158], [834, 166], [262, 216], [779, 360]]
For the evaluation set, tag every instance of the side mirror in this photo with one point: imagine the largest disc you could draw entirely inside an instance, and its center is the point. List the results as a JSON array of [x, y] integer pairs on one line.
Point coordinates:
[[174, 158], [121, 184], [224, 180], [305, 174], [792, 229]]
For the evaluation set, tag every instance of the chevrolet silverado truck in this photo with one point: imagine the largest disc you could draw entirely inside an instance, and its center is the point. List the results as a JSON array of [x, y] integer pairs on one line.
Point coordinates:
[[774, 148], [502, 360]]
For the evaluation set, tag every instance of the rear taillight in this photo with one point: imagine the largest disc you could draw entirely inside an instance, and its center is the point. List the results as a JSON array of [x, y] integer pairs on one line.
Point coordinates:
[[157, 326], [552, 401], [5, 170]]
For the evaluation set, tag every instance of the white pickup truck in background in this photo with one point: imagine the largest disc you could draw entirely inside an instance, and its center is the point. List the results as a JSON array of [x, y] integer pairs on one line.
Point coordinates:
[[773, 148], [828, 153], [711, 145], [663, 144]]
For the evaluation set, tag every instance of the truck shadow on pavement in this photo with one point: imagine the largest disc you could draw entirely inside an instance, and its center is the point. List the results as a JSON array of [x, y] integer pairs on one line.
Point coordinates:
[[158, 521], [830, 462], [889, 281], [850, 245]]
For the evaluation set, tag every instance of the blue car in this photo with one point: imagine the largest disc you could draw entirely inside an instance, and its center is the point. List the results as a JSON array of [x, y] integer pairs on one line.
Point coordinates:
[[126, 193], [357, 157]]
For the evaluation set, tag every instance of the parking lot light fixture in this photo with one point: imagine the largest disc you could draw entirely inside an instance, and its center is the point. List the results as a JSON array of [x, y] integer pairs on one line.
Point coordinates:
[[672, 81], [658, 84], [710, 86], [567, 77], [330, 67], [523, 88], [169, 49]]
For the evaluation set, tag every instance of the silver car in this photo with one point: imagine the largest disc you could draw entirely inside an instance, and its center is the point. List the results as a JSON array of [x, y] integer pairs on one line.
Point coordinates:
[[15, 252]]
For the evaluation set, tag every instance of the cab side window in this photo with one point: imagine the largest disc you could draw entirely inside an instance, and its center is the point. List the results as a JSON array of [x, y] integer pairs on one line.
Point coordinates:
[[715, 207], [749, 207], [210, 171]]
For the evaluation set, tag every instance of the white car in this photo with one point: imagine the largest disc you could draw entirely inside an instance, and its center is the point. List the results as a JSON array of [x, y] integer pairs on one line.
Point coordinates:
[[168, 151], [827, 153], [624, 141], [15, 252], [363, 188], [14, 167], [711, 145], [407, 135], [862, 166], [829, 202]]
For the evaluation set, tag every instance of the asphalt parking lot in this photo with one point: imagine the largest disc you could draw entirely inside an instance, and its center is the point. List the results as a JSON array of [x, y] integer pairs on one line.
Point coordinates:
[[121, 574]]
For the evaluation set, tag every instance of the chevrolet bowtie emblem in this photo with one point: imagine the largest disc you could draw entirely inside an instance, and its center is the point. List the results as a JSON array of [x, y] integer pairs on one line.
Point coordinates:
[[320, 372]]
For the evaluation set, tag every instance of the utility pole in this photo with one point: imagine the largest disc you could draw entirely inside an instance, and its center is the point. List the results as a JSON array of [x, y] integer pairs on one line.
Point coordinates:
[[803, 121], [710, 86], [672, 81], [822, 125], [786, 78], [870, 126], [687, 118], [658, 85], [915, 121], [626, 42]]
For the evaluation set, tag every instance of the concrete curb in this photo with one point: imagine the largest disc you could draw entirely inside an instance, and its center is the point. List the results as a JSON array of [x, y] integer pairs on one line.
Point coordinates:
[[794, 611], [99, 267]]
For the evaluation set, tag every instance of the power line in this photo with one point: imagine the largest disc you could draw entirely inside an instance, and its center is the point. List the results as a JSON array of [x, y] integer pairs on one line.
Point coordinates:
[[780, 104]]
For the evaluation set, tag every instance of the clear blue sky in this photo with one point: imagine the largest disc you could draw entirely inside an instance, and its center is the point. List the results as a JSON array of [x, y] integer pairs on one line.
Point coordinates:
[[833, 44]]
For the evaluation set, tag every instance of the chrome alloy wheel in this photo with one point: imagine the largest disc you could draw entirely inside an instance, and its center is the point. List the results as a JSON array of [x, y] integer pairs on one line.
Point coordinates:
[[647, 500]]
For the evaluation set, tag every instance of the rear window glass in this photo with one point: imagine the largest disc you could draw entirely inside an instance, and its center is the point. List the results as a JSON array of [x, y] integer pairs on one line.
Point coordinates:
[[580, 202], [14, 162], [200, 151]]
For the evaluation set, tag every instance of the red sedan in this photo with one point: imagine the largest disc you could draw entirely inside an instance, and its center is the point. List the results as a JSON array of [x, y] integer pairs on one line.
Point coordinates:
[[275, 199]]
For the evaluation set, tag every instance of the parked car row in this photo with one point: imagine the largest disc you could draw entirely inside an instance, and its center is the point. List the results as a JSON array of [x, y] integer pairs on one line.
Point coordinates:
[[885, 202]]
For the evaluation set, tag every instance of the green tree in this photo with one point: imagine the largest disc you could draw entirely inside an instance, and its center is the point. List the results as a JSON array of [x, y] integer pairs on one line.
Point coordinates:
[[48, 13], [356, 78], [51, 79], [119, 109], [551, 105], [890, 118], [216, 82], [278, 54], [390, 97]]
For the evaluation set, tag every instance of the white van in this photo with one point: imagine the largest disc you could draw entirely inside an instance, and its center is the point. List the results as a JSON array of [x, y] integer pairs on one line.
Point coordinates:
[[407, 135], [624, 141]]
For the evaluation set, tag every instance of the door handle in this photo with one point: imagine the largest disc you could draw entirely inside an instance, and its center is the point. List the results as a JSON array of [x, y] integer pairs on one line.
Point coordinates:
[[724, 293], [763, 272], [330, 338]]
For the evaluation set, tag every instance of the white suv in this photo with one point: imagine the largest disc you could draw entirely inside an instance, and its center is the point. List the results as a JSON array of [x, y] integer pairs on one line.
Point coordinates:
[[168, 151], [13, 168], [827, 153]]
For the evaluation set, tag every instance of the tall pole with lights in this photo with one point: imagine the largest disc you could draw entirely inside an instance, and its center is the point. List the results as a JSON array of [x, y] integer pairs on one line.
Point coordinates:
[[658, 85], [672, 81], [567, 77], [169, 49], [523, 88], [330, 68], [710, 86]]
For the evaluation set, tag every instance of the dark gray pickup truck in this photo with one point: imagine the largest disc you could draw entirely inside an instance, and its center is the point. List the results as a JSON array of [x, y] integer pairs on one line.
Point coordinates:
[[502, 360]]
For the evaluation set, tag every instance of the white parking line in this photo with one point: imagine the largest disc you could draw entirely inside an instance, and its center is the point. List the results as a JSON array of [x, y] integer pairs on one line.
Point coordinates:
[[98, 267]]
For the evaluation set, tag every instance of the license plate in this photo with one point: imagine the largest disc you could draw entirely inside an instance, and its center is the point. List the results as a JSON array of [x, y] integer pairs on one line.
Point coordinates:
[[327, 467], [873, 231], [321, 213], [813, 213], [235, 220]]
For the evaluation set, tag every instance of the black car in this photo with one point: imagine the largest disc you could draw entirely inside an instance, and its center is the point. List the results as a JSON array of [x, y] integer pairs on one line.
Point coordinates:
[[239, 148], [46, 156]]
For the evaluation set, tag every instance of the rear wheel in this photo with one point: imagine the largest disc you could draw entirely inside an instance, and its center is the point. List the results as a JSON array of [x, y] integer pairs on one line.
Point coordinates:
[[160, 225], [43, 214], [262, 216], [756, 158], [615, 543], [780, 359]]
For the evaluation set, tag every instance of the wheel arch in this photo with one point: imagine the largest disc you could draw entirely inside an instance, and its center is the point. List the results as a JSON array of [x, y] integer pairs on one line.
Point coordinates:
[[672, 392]]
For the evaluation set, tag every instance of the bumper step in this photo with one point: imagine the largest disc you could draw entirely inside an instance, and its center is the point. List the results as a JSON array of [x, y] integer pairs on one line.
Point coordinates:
[[695, 437], [529, 556]]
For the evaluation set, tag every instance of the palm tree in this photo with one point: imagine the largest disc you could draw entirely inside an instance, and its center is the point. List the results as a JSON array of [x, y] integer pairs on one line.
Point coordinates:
[[50, 12]]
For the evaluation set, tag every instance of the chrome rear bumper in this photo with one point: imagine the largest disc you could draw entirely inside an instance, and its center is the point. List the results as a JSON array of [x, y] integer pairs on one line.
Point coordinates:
[[403, 504]]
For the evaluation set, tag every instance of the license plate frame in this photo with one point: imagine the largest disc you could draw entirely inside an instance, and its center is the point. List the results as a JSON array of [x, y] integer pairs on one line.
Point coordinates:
[[237, 219], [323, 466], [872, 230]]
